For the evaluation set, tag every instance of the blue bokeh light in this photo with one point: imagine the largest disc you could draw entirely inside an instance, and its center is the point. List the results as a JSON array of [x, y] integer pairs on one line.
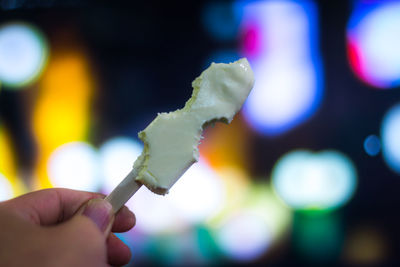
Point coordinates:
[[286, 64], [390, 133], [221, 20], [372, 145], [374, 41]]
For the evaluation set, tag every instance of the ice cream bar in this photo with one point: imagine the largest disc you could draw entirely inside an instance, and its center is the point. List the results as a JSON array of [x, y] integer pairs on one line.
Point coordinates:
[[171, 139]]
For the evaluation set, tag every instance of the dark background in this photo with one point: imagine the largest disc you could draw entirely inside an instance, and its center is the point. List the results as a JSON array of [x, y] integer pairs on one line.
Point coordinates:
[[146, 53]]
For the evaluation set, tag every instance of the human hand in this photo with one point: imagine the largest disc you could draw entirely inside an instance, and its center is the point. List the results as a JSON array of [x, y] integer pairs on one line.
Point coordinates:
[[62, 227]]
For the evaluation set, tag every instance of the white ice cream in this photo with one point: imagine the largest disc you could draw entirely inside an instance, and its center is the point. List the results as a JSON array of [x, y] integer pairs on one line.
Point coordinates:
[[171, 140]]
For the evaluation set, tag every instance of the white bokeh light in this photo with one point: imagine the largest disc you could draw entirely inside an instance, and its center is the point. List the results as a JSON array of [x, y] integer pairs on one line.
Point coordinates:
[[288, 87], [23, 54], [305, 180], [390, 133], [117, 156], [376, 33], [75, 165], [6, 190], [155, 214], [244, 237], [281, 95], [255, 225], [198, 194]]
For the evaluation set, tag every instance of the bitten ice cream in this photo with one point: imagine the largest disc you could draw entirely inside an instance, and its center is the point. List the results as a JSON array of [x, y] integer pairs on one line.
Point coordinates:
[[171, 139]]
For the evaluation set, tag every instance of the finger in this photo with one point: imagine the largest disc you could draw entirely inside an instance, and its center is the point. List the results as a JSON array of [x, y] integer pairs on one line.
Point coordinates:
[[50, 206], [117, 252], [124, 220]]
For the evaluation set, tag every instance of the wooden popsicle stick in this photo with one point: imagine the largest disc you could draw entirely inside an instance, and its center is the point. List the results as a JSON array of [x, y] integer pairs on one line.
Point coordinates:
[[124, 191]]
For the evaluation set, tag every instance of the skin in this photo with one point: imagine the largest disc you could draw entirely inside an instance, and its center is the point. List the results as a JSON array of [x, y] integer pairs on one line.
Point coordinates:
[[43, 228]]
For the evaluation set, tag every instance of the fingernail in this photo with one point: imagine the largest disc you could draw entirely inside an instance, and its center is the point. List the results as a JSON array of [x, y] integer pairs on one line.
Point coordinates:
[[100, 212]]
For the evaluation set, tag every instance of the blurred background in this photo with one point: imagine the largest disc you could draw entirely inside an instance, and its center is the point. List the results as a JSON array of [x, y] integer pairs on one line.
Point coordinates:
[[306, 174]]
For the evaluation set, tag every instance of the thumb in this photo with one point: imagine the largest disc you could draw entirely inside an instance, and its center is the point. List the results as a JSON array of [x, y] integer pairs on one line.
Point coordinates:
[[81, 241], [100, 212]]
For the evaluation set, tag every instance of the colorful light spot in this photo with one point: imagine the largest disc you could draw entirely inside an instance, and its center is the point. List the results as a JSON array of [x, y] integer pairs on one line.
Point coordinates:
[[373, 39], [366, 245], [390, 130], [62, 109], [257, 224], [155, 214], [307, 181], [8, 165], [251, 42], [198, 194], [117, 156], [279, 38], [6, 190], [221, 20], [372, 145], [23, 54], [236, 185], [318, 237], [75, 166], [244, 237]]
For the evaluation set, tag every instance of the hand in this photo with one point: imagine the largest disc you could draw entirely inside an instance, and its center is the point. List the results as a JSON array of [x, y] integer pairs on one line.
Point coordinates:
[[62, 227]]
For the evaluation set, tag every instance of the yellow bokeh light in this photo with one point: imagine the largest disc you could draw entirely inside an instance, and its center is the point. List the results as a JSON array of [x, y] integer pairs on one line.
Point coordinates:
[[237, 184], [366, 245], [7, 162], [227, 145], [8, 165], [62, 109], [262, 201]]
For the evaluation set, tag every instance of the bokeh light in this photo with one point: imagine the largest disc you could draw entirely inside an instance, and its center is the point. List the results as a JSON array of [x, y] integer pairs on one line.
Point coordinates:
[[366, 245], [227, 145], [257, 224], [155, 213], [390, 130], [62, 108], [198, 194], [285, 61], [6, 189], [221, 20], [318, 237], [372, 145], [261, 200], [23, 54], [179, 249], [7, 160], [323, 180], [254, 198], [8, 164], [196, 197], [373, 42], [75, 166], [237, 184], [244, 237], [117, 156]]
